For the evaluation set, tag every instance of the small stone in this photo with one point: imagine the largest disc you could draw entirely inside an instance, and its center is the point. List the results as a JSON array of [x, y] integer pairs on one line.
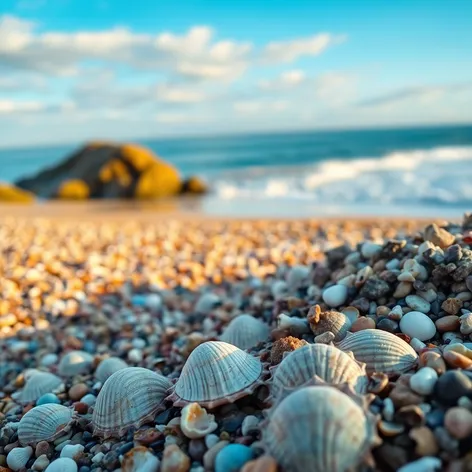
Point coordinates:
[[196, 449], [388, 325], [417, 303], [426, 444], [438, 236], [210, 455], [396, 313], [362, 323], [174, 460], [375, 288], [81, 408], [452, 385], [40, 463], [283, 345], [434, 360], [97, 458], [426, 464], [402, 290], [402, 395], [232, 458], [77, 391], [47, 398], [418, 325], [458, 422], [411, 415], [423, 381], [72, 451], [211, 440], [42, 448], [447, 323], [249, 424], [452, 305], [335, 296], [370, 249], [325, 338], [135, 355], [261, 464], [466, 324]]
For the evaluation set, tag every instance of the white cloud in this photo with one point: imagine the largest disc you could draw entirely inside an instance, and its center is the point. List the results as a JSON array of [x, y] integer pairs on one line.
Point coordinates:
[[288, 79], [175, 94], [252, 107], [12, 106], [289, 51]]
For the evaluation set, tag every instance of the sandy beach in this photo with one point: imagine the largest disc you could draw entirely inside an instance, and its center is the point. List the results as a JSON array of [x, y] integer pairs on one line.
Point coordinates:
[[145, 337]]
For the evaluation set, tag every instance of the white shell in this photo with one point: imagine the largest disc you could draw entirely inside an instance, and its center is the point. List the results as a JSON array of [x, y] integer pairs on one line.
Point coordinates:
[[44, 423], [418, 325], [195, 422], [75, 363], [64, 464], [318, 360], [39, 384], [319, 429], [140, 459], [217, 373], [380, 351], [245, 332], [18, 457], [129, 398], [108, 367], [335, 296], [297, 277], [207, 303]]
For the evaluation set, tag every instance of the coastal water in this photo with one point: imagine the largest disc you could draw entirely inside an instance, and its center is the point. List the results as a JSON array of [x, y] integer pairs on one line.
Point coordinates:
[[417, 171]]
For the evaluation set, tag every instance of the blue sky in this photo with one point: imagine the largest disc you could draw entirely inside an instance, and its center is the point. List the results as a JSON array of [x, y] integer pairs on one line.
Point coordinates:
[[76, 70]]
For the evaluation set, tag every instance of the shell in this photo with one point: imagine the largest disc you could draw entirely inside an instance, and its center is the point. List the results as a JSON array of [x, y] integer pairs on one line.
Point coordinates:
[[75, 363], [217, 373], [380, 351], [324, 321], [245, 332], [39, 384], [44, 423], [129, 398], [318, 360], [207, 303], [18, 457], [319, 429], [64, 464], [108, 367], [298, 277], [195, 422], [140, 459]]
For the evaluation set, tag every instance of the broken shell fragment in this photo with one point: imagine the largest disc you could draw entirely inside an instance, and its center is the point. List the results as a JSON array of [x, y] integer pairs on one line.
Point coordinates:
[[328, 321], [195, 422]]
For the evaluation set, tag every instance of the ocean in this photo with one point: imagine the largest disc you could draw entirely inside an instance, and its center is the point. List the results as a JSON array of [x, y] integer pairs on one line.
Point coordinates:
[[416, 171]]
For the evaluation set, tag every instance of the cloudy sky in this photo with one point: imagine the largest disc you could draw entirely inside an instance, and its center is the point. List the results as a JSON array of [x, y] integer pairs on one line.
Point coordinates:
[[73, 70]]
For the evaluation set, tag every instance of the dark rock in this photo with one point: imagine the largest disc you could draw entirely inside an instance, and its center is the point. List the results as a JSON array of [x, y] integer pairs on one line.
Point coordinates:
[[386, 324], [111, 460], [453, 254], [390, 457], [125, 448], [196, 449], [375, 288], [232, 422], [451, 386], [435, 418], [362, 304]]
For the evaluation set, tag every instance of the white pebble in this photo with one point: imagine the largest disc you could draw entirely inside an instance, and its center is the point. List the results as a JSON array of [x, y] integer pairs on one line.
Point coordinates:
[[138, 343], [135, 355], [153, 301], [466, 324], [417, 303], [97, 458], [370, 249], [425, 464], [64, 464], [335, 296], [40, 463], [71, 450], [211, 440], [417, 325], [417, 345], [392, 264], [49, 359], [388, 409], [90, 399], [423, 381], [250, 422]]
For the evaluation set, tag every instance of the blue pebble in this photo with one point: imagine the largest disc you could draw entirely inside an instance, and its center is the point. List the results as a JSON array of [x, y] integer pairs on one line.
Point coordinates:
[[89, 346], [232, 458], [138, 300], [47, 398], [33, 346]]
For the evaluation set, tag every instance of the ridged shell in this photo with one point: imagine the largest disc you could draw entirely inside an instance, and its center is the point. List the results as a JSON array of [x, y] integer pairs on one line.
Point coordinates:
[[319, 429], [63, 464], [217, 373], [245, 332], [331, 320], [75, 363], [380, 351], [128, 398], [44, 423], [18, 457], [39, 384], [108, 367], [318, 360]]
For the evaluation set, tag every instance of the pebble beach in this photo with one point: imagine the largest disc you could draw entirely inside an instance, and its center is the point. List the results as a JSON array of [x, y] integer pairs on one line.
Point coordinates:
[[175, 342]]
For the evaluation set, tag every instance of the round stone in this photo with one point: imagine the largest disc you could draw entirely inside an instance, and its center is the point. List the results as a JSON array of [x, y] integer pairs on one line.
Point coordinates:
[[452, 385], [458, 422], [418, 325], [232, 458], [335, 296], [418, 304], [362, 323], [47, 398], [423, 381], [77, 391]]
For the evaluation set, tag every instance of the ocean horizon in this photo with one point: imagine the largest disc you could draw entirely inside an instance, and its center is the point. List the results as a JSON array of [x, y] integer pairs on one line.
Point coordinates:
[[420, 171]]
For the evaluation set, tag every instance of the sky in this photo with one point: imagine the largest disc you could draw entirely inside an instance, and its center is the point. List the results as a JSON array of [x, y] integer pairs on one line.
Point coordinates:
[[118, 69]]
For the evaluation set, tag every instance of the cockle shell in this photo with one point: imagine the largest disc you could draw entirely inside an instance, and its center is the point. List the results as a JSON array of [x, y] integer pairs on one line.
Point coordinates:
[[63, 464], [75, 363], [18, 457], [380, 351], [217, 373], [195, 422], [39, 384], [332, 321], [245, 332], [319, 429], [44, 423], [318, 360], [108, 367], [128, 398]]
